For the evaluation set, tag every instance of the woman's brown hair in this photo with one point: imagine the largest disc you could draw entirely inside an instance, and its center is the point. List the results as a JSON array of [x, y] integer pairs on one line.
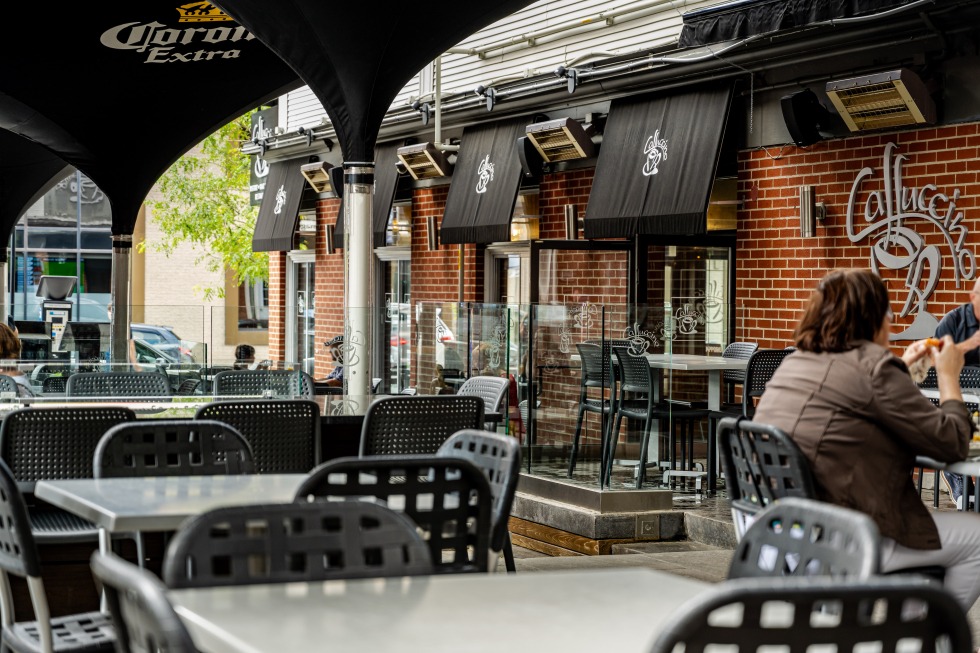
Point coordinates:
[[9, 343], [847, 307]]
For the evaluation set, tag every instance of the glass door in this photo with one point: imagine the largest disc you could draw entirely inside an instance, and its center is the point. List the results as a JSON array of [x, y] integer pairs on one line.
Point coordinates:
[[300, 310], [396, 325]]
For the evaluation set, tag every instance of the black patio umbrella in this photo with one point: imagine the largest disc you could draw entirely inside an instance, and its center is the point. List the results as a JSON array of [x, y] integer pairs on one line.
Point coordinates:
[[356, 57], [122, 89]]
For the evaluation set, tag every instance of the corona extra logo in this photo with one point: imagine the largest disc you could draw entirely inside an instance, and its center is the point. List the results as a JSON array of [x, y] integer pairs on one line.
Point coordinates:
[[200, 12]]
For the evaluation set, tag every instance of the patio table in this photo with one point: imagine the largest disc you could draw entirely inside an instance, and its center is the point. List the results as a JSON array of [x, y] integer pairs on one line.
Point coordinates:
[[125, 505], [584, 610]]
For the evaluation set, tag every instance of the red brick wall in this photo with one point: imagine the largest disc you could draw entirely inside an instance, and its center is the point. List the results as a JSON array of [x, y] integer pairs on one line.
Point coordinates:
[[777, 269], [329, 314], [277, 306]]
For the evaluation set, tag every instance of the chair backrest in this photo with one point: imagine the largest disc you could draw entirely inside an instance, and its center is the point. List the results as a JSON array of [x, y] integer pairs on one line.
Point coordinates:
[[18, 552], [761, 464], [492, 389], [635, 375], [596, 369], [803, 537], [931, 381], [172, 448], [969, 381], [762, 365], [144, 619], [497, 456], [417, 425], [188, 387], [118, 384], [7, 384], [448, 498], [258, 383], [739, 351], [68, 437], [289, 542], [54, 384], [885, 613], [284, 433]]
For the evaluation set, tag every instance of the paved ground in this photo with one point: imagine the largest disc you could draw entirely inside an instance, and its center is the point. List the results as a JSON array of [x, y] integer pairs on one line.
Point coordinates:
[[690, 559]]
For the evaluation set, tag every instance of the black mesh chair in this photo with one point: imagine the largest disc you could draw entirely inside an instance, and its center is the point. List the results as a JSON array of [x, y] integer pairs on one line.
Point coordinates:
[[762, 365], [284, 433], [399, 426], [68, 437], [493, 391], [803, 537], [144, 619], [172, 448], [597, 374], [54, 385], [118, 384], [89, 632], [791, 614], [499, 457], [732, 378], [290, 542], [260, 383], [448, 498], [8, 385], [762, 464], [188, 387]]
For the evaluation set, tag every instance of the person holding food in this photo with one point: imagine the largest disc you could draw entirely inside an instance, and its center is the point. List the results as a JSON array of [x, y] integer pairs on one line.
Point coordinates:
[[860, 421]]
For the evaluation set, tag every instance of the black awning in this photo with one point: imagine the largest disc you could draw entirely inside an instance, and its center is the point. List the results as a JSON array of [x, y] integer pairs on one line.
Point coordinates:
[[657, 164], [385, 183], [744, 18], [276, 224], [485, 184]]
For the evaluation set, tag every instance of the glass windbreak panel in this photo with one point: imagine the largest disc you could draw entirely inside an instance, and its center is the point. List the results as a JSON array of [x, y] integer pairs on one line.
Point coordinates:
[[253, 305], [396, 326], [441, 351], [559, 387]]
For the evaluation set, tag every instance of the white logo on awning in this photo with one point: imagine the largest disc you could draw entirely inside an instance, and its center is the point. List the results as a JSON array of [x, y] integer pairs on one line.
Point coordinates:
[[280, 200], [656, 151], [486, 174]]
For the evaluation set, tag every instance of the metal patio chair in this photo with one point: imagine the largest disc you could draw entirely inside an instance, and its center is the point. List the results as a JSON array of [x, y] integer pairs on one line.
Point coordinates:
[[404, 425], [118, 384], [284, 433], [68, 436], [499, 457], [291, 542], [260, 383], [448, 498], [493, 391]]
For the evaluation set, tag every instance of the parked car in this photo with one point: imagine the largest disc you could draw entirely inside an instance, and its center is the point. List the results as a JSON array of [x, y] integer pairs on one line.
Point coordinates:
[[163, 339]]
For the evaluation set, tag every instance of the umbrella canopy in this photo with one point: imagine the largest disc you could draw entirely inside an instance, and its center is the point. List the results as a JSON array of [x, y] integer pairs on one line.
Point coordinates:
[[152, 79], [357, 56], [27, 172]]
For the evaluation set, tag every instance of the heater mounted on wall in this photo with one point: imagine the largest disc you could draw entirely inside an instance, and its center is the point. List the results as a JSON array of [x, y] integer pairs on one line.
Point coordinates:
[[882, 100]]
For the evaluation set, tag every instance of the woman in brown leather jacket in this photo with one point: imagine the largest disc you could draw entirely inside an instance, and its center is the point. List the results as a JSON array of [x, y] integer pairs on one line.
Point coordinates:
[[853, 409]]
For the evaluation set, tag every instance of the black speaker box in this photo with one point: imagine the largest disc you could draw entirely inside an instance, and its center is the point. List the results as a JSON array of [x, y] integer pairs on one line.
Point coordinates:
[[804, 115], [532, 164], [337, 180]]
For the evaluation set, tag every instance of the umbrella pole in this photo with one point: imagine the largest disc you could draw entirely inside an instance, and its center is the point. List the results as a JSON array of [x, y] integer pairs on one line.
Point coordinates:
[[358, 276], [122, 246]]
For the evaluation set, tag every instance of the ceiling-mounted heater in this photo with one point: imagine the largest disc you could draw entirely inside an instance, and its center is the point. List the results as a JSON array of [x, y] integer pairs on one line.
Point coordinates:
[[882, 100]]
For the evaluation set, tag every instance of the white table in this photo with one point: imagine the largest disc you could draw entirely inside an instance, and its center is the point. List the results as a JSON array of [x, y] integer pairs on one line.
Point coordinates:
[[586, 610], [162, 504], [713, 365]]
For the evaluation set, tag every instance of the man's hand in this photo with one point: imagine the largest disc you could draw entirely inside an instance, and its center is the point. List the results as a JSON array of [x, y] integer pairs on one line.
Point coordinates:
[[970, 343]]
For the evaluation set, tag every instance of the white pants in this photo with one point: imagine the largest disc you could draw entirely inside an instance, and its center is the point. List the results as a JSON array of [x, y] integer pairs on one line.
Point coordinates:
[[959, 533]]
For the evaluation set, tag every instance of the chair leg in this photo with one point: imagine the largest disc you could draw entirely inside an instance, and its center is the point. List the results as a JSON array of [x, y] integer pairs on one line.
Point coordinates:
[[712, 456], [509, 555], [641, 472], [613, 438], [578, 432]]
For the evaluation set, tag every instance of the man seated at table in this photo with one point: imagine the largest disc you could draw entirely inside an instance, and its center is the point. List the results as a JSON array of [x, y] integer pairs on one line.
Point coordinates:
[[335, 345], [962, 324]]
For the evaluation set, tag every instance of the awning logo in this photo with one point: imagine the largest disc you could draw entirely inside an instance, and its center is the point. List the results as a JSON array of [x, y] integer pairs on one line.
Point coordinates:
[[280, 200], [200, 12], [656, 151], [485, 171]]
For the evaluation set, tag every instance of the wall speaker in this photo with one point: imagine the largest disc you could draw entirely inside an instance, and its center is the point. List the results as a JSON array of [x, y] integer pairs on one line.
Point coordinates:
[[337, 180], [804, 116], [532, 165]]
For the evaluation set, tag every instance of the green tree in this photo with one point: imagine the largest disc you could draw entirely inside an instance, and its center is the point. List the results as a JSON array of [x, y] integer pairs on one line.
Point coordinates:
[[206, 203]]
